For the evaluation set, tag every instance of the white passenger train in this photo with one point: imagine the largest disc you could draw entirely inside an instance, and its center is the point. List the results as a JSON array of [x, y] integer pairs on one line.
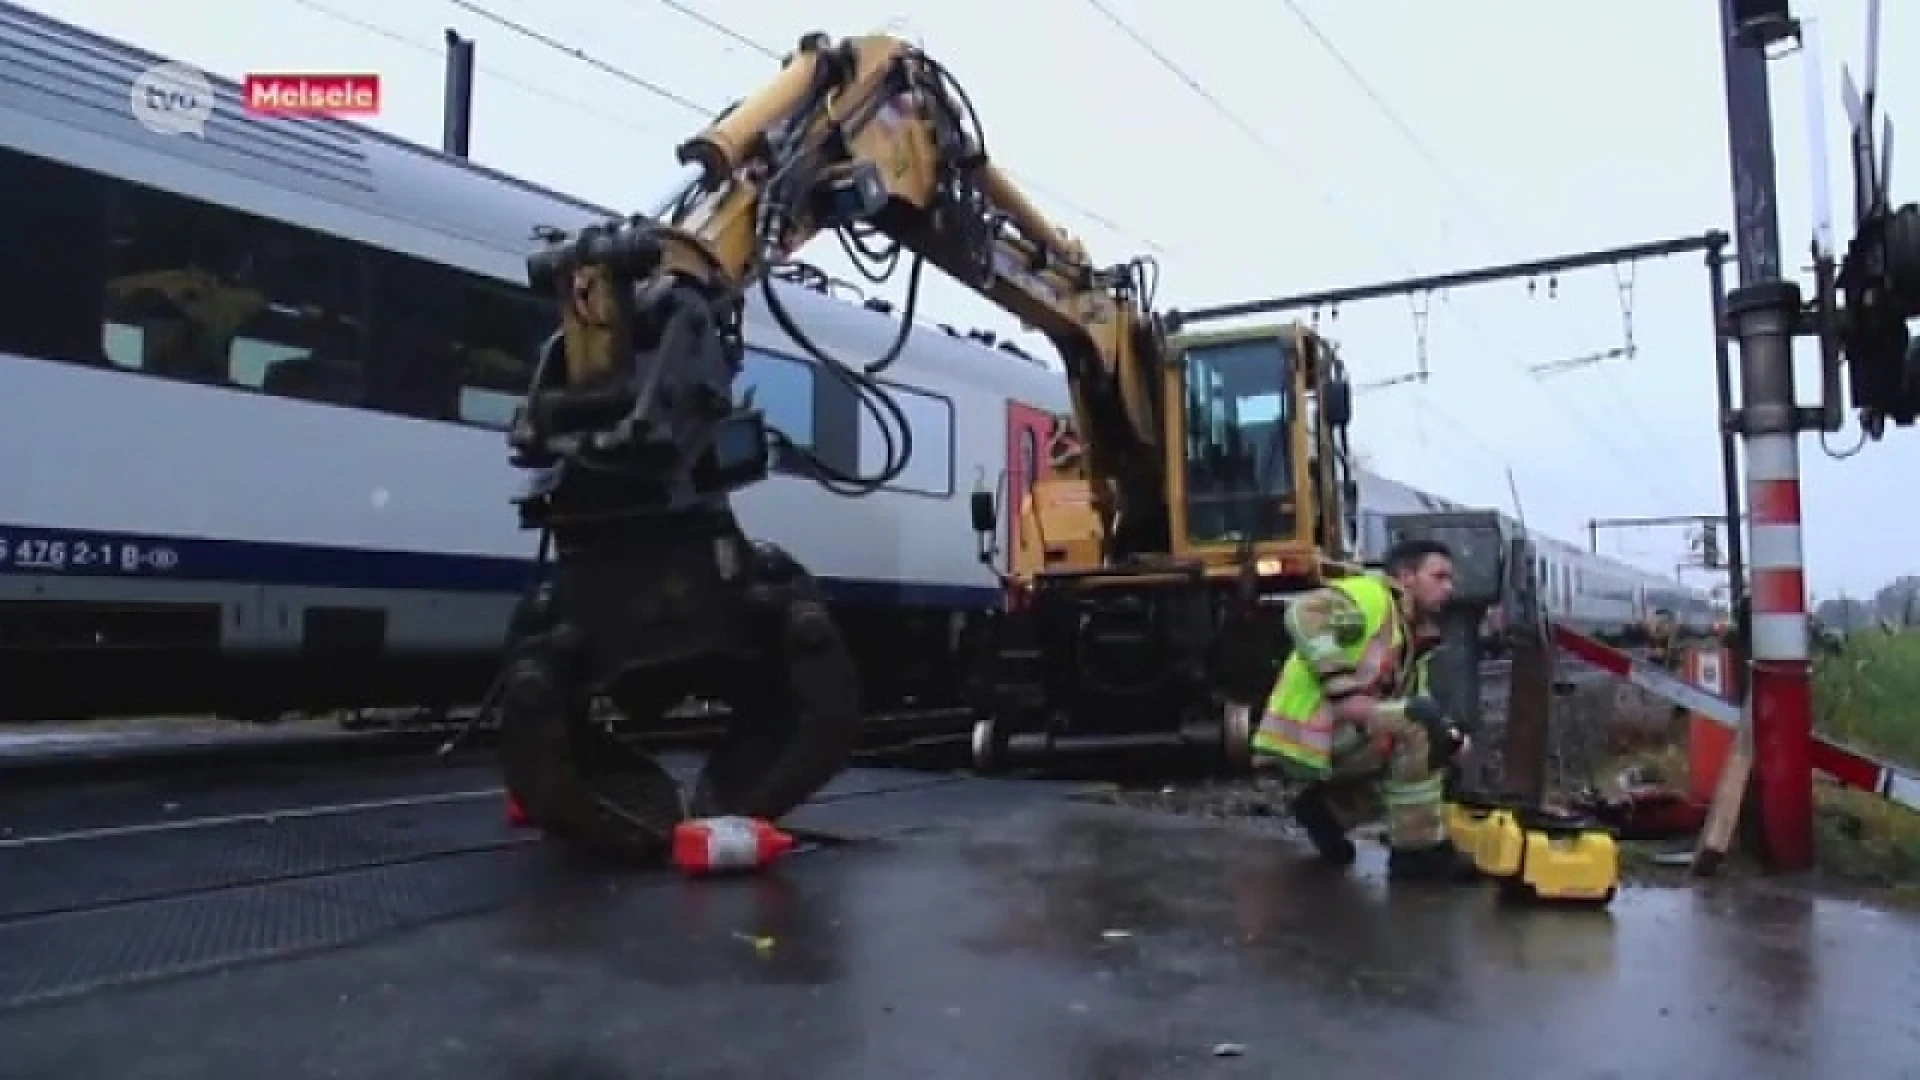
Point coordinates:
[[256, 384], [1607, 597]]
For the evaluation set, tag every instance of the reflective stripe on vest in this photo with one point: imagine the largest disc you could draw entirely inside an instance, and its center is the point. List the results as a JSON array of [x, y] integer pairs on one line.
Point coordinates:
[[1297, 725], [1422, 672]]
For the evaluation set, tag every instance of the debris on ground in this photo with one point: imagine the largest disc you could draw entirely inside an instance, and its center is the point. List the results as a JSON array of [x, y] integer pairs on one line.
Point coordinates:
[[1644, 812], [762, 945], [1260, 799]]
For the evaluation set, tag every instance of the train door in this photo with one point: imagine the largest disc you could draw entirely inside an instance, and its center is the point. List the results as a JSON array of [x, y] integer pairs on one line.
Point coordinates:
[[1027, 429]]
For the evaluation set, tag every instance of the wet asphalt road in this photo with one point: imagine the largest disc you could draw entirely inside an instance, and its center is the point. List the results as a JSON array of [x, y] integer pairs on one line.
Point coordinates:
[[1057, 940]]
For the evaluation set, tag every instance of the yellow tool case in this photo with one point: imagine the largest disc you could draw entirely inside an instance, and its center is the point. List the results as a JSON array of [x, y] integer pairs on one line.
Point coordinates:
[[1564, 857]]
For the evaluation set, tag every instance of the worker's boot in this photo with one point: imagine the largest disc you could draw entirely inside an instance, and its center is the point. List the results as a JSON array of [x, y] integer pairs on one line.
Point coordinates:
[[1322, 826], [1440, 863]]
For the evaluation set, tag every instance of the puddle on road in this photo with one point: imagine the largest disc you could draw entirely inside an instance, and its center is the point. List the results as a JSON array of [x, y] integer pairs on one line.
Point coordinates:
[[1195, 903]]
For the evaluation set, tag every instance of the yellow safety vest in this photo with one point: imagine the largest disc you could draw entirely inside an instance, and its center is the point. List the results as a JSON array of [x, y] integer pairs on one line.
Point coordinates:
[[1297, 725]]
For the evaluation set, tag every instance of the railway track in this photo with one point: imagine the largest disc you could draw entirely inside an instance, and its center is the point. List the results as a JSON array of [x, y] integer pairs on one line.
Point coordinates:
[[85, 870], [62, 755], [141, 891]]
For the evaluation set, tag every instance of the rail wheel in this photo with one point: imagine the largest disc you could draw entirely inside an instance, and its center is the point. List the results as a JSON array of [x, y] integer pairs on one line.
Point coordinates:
[[1236, 736], [989, 745]]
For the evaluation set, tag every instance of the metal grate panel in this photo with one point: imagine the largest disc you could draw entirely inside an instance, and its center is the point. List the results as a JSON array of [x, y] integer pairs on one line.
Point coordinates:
[[60, 956], [118, 869]]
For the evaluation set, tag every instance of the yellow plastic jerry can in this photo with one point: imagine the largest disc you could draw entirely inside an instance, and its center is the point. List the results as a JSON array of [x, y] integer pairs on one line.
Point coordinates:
[[1500, 847]]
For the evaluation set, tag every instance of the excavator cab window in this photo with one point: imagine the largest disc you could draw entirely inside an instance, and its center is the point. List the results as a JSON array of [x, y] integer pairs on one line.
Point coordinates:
[[1239, 441]]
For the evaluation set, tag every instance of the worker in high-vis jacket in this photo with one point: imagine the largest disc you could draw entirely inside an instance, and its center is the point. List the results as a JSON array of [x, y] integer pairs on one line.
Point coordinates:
[[1351, 716]]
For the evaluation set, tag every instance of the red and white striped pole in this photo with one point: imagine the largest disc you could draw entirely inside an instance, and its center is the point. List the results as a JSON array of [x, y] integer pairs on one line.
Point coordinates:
[[1764, 319]]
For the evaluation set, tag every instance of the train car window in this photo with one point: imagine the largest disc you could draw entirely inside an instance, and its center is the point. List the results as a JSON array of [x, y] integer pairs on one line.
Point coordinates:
[[1029, 459], [414, 339], [929, 470], [53, 253], [782, 390], [295, 301], [125, 345], [205, 294], [166, 284], [501, 330]]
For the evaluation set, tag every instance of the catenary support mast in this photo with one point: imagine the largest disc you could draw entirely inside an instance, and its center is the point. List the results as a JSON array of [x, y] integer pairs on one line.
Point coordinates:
[[1763, 315]]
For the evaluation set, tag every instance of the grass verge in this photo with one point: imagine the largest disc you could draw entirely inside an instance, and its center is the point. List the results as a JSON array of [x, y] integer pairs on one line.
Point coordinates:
[[1867, 694]]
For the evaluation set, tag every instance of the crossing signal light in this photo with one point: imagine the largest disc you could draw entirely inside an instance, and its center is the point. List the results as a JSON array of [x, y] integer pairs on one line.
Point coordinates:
[[1866, 296]]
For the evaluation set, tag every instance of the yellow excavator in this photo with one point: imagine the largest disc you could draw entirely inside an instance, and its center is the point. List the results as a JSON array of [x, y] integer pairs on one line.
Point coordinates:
[[1200, 480]]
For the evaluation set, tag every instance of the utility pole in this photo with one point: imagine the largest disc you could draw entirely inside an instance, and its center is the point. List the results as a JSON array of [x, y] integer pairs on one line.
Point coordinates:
[[1859, 315], [1729, 456], [1756, 195], [457, 107], [1762, 314]]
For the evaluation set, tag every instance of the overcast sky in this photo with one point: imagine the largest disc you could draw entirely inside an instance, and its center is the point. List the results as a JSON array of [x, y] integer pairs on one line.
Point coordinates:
[[1300, 145]]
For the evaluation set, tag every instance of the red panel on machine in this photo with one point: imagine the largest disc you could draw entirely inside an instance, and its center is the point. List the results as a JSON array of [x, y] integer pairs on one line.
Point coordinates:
[[1027, 429]]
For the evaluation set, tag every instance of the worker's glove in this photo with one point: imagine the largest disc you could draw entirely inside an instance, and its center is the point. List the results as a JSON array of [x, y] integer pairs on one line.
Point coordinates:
[[1445, 739]]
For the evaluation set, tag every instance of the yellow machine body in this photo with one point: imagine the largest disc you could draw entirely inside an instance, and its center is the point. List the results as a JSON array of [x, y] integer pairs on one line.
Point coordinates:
[[1570, 862], [1491, 836], [1534, 853], [1476, 826]]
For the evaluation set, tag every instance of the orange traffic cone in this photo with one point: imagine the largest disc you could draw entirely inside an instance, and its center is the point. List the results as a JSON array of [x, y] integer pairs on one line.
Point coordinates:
[[725, 844], [516, 814]]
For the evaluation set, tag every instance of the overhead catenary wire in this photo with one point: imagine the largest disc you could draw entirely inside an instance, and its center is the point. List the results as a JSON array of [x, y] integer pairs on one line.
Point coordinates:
[[1616, 455], [1044, 191], [1400, 124], [436, 49], [586, 58], [1598, 359], [1454, 425]]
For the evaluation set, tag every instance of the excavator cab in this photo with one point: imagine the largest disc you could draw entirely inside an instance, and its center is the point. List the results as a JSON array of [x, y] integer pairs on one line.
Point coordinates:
[[1256, 454]]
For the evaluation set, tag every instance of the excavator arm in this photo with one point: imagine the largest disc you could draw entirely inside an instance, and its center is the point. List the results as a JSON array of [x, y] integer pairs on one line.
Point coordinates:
[[858, 136]]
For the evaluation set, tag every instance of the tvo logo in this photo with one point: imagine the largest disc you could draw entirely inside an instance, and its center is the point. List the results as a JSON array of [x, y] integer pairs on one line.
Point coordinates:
[[172, 99]]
